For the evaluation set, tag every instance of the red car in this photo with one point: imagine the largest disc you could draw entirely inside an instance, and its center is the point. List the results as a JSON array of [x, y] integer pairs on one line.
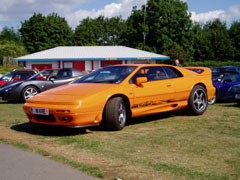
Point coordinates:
[[17, 75]]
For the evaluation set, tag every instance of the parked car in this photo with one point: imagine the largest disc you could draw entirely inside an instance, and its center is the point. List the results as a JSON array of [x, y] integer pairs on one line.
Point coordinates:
[[44, 80], [113, 94], [222, 83], [233, 93], [17, 75]]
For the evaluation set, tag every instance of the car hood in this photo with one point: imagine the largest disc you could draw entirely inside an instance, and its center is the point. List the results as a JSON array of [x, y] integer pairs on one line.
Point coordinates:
[[11, 84], [72, 93]]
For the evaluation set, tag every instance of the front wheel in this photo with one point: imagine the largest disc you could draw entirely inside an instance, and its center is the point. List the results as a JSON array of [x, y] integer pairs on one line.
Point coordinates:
[[198, 101], [28, 92], [115, 114]]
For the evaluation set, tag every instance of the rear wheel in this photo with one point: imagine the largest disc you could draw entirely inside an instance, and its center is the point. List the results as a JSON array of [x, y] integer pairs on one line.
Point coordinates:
[[115, 114], [28, 92], [198, 101]]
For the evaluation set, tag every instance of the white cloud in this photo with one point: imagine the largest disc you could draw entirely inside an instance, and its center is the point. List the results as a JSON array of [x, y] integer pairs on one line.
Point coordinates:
[[123, 9], [209, 16], [233, 14], [19, 10], [5, 5], [15, 11]]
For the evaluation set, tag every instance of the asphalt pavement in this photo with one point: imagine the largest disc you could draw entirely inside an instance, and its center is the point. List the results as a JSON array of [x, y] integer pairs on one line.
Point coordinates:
[[16, 164]]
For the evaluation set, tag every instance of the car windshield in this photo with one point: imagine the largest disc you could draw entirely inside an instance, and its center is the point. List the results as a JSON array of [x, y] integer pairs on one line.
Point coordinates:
[[232, 76], [43, 75], [111, 75], [7, 77]]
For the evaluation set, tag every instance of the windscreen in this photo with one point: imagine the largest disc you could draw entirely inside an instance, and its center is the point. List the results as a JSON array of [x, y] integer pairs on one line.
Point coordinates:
[[7, 77], [111, 75], [43, 75]]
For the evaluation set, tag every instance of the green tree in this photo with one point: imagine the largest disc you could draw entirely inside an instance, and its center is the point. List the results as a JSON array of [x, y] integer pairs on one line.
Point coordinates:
[[167, 25], [100, 31], [40, 32], [11, 49], [176, 52], [135, 29], [215, 34], [234, 33], [202, 44], [87, 32], [10, 34]]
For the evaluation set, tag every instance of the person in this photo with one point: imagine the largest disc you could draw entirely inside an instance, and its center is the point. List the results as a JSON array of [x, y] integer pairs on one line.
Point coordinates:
[[176, 62]]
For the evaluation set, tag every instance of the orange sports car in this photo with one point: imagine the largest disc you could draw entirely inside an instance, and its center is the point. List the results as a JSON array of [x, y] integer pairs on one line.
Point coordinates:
[[113, 94]]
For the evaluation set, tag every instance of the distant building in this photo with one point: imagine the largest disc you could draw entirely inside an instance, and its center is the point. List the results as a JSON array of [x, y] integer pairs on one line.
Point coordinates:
[[87, 58]]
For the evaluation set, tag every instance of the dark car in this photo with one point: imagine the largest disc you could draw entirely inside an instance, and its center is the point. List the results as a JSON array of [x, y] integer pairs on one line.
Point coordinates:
[[17, 75], [223, 82], [233, 93], [44, 80]]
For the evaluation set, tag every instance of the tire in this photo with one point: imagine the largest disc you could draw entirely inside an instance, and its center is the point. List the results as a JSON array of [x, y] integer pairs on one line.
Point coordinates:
[[213, 100], [115, 114], [28, 92], [198, 101]]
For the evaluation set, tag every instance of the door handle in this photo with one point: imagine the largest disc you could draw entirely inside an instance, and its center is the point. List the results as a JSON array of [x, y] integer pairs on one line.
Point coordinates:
[[169, 85]]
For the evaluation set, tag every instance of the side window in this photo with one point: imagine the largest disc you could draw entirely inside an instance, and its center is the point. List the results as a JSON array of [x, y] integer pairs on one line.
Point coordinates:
[[234, 77], [172, 72], [7, 77], [53, 75], [156, 73], [64, 74], [152, 74], [25, 76]]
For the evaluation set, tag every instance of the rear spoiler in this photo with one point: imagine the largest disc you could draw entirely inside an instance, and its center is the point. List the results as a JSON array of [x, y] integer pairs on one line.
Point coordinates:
[[200, 70]]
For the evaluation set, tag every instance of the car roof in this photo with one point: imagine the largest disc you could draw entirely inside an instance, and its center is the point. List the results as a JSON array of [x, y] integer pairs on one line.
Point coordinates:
[[139, 65], [51, 69]]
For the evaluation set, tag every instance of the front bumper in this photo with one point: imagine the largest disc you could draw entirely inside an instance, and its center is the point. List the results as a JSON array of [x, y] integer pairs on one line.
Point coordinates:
[[73, 118], [10, 95]]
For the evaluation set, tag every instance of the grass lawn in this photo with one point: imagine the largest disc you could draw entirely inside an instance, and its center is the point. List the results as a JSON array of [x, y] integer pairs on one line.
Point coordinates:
[[163, 146]]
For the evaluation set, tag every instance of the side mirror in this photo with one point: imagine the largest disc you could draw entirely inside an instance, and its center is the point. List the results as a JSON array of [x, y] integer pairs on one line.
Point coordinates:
[[141, 80]]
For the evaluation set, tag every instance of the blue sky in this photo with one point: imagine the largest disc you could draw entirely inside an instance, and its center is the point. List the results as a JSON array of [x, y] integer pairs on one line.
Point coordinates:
[[12, 12]]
